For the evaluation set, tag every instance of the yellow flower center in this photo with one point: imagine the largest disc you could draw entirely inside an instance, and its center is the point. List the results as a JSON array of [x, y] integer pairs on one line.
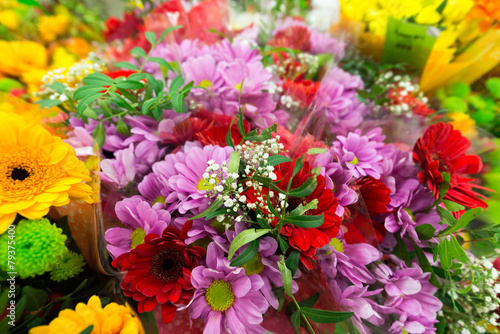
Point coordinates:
[[159, 199], [205, 83], [137, 237], [337, 244], [239, 86], [355, 161], [254, 266], [24, 173], [220, 295], [204, 185]]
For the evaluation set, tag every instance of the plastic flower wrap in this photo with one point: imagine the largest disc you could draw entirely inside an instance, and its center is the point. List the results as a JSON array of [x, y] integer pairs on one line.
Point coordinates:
[[446, 41]]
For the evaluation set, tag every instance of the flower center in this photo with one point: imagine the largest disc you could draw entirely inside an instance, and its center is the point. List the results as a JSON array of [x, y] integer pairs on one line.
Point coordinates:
[[205, 83], [337, 244], [220, 295], [19, 174], [355, 161], [204, 185], [254, 266], [159, 199], [137, 237], [166, 265]]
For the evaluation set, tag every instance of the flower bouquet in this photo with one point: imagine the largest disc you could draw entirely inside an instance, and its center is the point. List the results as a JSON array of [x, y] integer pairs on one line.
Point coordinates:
[[244, 183]]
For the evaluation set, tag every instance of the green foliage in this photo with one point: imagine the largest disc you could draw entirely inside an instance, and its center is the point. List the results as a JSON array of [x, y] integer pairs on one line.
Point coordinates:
[[105, 99]]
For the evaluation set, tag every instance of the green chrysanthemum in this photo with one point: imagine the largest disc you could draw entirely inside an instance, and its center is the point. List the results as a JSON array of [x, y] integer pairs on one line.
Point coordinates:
[[39, 245], [70, 265]]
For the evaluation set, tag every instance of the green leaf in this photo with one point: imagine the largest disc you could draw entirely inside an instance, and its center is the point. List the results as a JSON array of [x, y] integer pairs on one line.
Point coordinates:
[[241, 126], [268, 183], [234, 162], [166, 32], [305, 221], [215, 205], [247, 254], [452, 206], [443, 188], [305, 189], [86, 101], [99, 134], [309, 302], [445, 254], [446, 217], [121, 127], [286, 276], [299, 210], [87, 330], [138, 51], [151, 37], [176, 83], [161, 62], [292, 262], [266, 134], [35, 298], [86, 90], [296, 321], [274, 160], [462, 222], [229, 138], [220, 212], [126, 65], [316, 150], [121, 102], [129, 84], [178, 103], [457, 251], [283, 244], [425, 231], [97, 79], [243, 238], [296, 169], [90, 113], [324, 316]]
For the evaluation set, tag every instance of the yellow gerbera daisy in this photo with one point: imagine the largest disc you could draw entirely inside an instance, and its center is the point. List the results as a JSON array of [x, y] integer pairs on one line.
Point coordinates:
[[37, 171], [113, 318]]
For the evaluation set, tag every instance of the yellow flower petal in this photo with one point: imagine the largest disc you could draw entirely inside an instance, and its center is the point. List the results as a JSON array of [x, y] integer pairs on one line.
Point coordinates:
[[6, 221]]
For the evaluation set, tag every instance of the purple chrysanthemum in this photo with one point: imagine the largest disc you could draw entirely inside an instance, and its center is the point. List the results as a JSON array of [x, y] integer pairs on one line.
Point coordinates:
[[411, 295], [413, 199], [349, 261], [139, 219], [183, 173], [358, 300], [225, 297], [360, 153]]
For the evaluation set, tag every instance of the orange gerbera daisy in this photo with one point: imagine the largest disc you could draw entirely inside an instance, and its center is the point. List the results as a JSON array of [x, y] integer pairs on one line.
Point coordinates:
[[37, 171]]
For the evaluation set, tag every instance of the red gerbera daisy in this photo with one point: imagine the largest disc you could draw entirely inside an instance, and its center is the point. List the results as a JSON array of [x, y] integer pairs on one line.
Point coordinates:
[[159, 271], [442, 149], [305, 240], [359, 224]]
